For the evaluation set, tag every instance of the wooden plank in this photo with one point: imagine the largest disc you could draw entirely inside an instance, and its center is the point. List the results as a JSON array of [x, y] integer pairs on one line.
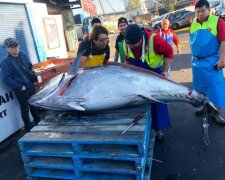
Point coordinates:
[[50, 173], [47, 149], [89, 129], [92, 151], [81, 138], [108, 166], [51, 163], [91, 121]]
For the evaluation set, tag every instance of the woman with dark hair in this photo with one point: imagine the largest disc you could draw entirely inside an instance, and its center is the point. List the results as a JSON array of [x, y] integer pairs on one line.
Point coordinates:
[[96, 49]]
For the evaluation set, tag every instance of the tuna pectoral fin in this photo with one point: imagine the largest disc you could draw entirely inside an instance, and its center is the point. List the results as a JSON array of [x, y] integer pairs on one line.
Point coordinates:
[[75, 106], [151, 98]]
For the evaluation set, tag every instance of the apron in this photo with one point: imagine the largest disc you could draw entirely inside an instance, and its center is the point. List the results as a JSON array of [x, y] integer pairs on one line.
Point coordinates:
[[159, 111], [205, 53], [169, 39], [95, 60]]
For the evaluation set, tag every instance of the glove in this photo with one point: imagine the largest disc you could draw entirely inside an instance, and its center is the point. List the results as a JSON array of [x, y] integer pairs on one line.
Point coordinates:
[[116, 59]]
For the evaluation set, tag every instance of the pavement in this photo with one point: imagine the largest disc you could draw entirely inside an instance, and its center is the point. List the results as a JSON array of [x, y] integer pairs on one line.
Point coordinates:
[[182, 155]]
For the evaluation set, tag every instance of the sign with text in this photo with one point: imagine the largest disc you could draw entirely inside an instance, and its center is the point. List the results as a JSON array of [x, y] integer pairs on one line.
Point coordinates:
[[89, 7], [10, 116]]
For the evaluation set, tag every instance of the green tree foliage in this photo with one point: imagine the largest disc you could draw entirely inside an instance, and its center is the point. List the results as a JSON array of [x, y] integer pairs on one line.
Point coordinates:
[[169, 4], [133, 5]]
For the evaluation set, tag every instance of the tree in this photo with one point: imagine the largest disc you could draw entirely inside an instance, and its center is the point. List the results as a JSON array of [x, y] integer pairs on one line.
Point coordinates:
[[133, 5], [169, 4]]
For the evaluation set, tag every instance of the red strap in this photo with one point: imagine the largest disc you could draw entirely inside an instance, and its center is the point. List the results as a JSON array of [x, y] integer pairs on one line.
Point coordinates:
[[65, 86]]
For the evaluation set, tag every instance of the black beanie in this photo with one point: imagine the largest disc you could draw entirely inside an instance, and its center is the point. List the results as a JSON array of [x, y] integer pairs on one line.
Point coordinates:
[[122, 20], [133, 34]]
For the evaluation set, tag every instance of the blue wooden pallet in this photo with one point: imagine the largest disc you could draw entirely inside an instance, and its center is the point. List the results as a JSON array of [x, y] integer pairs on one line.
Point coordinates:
[[74, 146], [150, 156], [41, 174]]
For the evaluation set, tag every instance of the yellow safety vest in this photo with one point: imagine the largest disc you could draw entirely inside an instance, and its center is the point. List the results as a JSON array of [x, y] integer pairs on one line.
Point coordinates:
[[210, 24], [152, 59]]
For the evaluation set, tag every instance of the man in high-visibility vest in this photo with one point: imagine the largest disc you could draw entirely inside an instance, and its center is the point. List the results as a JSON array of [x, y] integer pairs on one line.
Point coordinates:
[[207, 39], [122, 25], [152, 52]]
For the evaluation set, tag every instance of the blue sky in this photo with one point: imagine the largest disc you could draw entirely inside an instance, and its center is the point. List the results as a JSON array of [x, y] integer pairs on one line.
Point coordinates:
[[118, 5]]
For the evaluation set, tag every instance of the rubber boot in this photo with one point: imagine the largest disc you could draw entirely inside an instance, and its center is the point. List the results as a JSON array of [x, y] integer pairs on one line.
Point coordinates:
[[217, 118]]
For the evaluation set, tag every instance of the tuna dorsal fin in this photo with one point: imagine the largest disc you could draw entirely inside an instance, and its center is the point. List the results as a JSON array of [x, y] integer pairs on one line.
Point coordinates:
[[76, 64]]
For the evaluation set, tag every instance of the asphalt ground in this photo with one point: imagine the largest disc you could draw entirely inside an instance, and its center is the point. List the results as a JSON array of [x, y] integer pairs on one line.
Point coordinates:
[[182, 155]]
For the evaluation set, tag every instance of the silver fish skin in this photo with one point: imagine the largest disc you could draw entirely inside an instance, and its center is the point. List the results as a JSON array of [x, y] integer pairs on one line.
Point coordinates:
[[110, 87]]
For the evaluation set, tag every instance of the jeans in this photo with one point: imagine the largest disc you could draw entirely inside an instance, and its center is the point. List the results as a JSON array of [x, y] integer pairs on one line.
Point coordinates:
[[22, 97]]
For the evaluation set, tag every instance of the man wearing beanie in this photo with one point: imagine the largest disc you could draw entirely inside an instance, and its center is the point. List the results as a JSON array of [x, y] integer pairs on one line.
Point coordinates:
[[17, 72], [122, 25], [152, 52]]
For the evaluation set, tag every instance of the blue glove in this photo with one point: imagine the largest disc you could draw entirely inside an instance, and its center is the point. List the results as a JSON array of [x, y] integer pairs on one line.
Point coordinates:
[[116, 59]]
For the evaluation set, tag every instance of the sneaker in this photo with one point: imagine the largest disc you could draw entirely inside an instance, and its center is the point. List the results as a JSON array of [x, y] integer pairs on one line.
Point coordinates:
[[217, 118]]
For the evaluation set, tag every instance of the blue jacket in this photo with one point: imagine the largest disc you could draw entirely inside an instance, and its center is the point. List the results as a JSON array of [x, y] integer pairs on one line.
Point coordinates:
[[12, 74]]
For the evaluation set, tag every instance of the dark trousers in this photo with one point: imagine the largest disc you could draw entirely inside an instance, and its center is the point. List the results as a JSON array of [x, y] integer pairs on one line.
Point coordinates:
[[22, 97]]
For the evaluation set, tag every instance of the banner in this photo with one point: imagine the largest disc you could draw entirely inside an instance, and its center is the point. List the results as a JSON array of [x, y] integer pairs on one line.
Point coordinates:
[[89, 7], [69, 29], [51, 31]]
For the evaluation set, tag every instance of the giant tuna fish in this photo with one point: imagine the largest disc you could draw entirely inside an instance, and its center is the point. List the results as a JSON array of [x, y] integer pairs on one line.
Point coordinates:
[[111, 86]]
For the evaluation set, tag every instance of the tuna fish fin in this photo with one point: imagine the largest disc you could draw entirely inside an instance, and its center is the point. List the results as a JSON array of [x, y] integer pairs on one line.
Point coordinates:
[[151, 98], [63, 76], [75, 106], [76, 64], [156, 100]]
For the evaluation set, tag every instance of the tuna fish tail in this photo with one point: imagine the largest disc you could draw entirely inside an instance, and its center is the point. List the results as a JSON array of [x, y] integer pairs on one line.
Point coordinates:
[[203, 102]]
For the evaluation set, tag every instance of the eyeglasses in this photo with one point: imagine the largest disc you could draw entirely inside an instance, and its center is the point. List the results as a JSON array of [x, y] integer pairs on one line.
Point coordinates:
[[103, 40]]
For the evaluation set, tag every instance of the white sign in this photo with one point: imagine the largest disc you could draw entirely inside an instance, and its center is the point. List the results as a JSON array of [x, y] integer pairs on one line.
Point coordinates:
[[10, 116], [16, 1]]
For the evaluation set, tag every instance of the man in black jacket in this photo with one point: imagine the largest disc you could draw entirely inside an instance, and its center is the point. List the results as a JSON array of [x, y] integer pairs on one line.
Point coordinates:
[[16, 71]]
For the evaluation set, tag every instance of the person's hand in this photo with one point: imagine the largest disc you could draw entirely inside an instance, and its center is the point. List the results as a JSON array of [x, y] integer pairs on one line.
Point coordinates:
[[165, 74], [23, 88], [178, 51], [219, 65]]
